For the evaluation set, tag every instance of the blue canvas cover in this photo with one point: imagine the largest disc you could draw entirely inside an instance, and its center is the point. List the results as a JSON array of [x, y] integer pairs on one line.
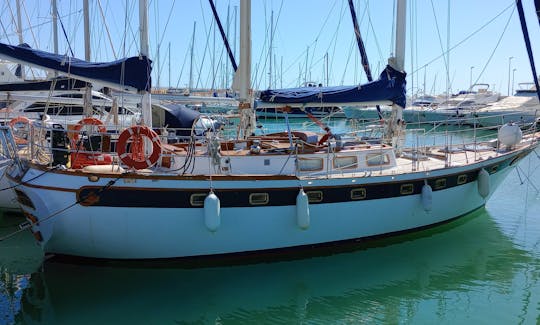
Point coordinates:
[[132, 72], [391, 86]]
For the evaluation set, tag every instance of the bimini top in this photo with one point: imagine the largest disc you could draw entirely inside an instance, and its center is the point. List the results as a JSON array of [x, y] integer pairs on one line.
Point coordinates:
[[391, 86], [128, 74]]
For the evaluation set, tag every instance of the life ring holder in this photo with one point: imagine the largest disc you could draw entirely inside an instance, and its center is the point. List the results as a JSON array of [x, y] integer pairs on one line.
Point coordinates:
[[21, 120], [136, 158], [87, 121]]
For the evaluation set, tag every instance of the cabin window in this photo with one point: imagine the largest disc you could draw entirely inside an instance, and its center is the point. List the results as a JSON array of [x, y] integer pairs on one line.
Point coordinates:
[[346, 162], [377, 159], [258, 198], [310, 164], [406, 189], [358, 193], [314, 196], [461, 179], [493, 169], [440, 183], [197, 199]]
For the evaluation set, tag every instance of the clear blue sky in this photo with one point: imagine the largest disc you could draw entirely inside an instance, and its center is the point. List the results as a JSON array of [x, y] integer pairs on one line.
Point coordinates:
[[306, 31]]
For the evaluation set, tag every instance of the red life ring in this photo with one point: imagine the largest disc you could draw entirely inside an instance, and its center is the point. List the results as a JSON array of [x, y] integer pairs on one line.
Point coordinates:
[[19, 120], [136, 157], [87, 121]]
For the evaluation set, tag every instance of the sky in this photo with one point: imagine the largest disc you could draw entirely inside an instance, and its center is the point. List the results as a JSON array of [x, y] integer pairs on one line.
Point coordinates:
[[312, 40]]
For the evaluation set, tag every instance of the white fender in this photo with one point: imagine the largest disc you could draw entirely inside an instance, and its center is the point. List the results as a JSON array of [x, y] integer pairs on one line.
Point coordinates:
[[212, 207], [427, 197], [483, 183], [302, 210]]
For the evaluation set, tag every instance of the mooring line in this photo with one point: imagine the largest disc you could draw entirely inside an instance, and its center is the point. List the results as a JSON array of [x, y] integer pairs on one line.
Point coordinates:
[[26, 225], [31, 179]]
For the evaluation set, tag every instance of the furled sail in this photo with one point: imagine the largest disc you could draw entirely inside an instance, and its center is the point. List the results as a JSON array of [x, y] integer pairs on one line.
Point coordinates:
[[130, 74], [390, 88]]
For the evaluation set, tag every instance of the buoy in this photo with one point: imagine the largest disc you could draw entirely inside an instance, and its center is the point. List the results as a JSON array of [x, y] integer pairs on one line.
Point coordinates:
[[483, 183], [212, 208], [427, 197], [509, 135], [302, 210]]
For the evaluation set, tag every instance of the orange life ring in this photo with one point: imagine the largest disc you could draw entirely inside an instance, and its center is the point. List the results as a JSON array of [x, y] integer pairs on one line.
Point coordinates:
[[136, 158], [87, 121], [19, 120]]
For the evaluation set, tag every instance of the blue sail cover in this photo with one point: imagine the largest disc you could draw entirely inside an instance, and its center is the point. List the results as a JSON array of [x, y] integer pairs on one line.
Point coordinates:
[[133, 72], [390, 86]]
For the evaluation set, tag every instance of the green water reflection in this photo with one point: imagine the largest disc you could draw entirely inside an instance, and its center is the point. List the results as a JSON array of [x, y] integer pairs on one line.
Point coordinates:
[[431, 277]]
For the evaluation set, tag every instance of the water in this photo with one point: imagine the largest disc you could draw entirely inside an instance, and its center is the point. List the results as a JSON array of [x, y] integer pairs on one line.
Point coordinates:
[[482, 269]]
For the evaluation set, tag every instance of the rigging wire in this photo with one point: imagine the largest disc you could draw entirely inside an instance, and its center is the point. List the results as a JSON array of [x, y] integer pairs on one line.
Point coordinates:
[[465, 39], [164, 30], [208, 31], [377, 45], [30, 27], [496, 46], [445, 53], [65, 33], [105, 25]]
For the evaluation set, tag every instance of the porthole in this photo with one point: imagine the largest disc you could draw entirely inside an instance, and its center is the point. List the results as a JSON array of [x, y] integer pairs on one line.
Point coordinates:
[[493, 169], [314, 196], [461, 179], [197, 199], [258, 198], [358, 194], [406, 189], [440, 183]]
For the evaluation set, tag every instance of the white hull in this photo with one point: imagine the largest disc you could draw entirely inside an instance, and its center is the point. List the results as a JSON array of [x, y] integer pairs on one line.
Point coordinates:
[[498, 118], [365, 114], [161, 232], [435, 115]]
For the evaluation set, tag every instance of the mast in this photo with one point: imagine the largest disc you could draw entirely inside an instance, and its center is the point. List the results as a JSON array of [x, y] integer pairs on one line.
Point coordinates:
[[270, 49], [395, 127], [55, 29], [169, 86], [86, 14], [398, 61], [55, 26], [191, 58], [19, 33], [245, 50], [87, 56], [143, 31], [243, 74]]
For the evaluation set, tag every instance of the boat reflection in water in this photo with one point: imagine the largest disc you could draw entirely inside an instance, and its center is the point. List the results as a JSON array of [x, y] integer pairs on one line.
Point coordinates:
[[414, 278]]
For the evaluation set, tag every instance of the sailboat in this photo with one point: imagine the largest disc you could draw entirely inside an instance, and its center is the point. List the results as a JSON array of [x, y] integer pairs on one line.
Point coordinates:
[[254, 194]]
